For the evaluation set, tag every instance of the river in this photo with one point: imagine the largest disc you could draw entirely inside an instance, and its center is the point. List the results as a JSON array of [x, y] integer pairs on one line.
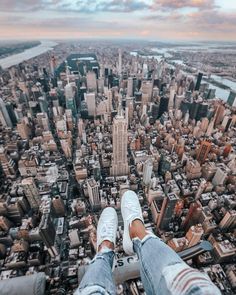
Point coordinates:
[[220, 92], [15, 59]]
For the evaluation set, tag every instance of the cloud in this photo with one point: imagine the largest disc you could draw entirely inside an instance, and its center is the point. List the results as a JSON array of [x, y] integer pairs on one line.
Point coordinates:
[[180, 4], [28, 5], [174, 16], [116, 6], [213, 20], [177, 19], [83, 6], [69, 23]]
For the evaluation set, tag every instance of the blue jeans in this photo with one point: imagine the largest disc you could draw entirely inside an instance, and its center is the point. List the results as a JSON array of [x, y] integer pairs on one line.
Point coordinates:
[[163, 272]]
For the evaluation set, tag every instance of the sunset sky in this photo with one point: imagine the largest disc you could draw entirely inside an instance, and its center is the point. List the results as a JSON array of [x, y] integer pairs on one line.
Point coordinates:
[[121, 19]]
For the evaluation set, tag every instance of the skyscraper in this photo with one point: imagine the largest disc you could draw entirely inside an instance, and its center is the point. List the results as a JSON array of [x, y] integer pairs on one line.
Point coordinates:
[[203, 151], [199, 79], [147, 88], [58, 206], [31, 192], [8, 165], [147, 171], [229, 220], [4, 116], [232, 98], [91, 81], [130, 87], [119, 143], [172, 97], [70, 98], [163, 105], [91, 103], [167, 211], [93, 193], [53, 64], [47, 233], [120, 62], [194, 235]]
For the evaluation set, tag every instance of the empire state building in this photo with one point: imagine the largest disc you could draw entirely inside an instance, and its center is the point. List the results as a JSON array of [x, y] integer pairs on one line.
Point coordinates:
[[119, 141]]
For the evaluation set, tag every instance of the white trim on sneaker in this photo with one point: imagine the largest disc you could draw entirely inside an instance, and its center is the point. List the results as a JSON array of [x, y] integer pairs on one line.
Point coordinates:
[[131, 210], [107, 226]]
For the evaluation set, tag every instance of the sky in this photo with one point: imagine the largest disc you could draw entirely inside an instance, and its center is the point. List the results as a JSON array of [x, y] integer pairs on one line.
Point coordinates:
[[170, 20]]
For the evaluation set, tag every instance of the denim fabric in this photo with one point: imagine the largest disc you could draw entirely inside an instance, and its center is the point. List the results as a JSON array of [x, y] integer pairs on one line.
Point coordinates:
[[154, 256], [163, 272], [98, 278]]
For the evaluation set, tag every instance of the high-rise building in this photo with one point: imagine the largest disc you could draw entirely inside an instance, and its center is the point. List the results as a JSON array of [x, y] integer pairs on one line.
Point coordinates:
[[203, 151], [172, 97], [91, 82], [229, 220], [5, 224], [58, 206], [4, 116], [101, 85], [93, 192], [70, 98], [202, 111], [23, 128], [211, 94], [147, 171], [80, 127], [227, 122], [193, 169], [163, 107], [199, 79], [167, 211], [223, 251], [91, 103], [210, 128], [155, 110], [120, 62], [8, 165], [119, 144], [192, 215], [31, 192], [11, 113], [66, 147], [194, 235], [146, 88], [53, 65], [204, 124], [42, 119], [232, 98], [130, 87], [219, 115], [220, 176], [47, 233]]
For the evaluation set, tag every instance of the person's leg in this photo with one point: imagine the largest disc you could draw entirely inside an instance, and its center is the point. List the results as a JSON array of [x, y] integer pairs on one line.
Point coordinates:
[[98, 278], [163, 272], [154, 256]]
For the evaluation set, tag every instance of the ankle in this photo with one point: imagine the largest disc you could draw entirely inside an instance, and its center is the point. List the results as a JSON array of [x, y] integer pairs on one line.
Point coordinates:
[[137, 229], [106, 244]]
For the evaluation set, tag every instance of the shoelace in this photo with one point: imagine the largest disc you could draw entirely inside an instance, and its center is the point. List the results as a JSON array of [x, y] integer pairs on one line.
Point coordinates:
[[134, 211], [108, 229]]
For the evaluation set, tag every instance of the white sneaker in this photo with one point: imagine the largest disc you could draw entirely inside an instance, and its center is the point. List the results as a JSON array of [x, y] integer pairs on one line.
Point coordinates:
[[131, 210], [107, 226]]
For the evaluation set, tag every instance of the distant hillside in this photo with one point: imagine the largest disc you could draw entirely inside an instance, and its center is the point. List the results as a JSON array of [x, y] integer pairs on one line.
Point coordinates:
[[13, 48]]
